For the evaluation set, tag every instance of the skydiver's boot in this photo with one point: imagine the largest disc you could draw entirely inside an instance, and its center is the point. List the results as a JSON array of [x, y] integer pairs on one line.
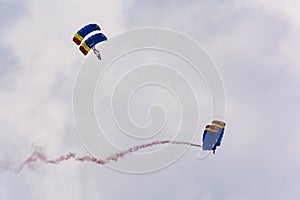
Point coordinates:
[[214, 149]]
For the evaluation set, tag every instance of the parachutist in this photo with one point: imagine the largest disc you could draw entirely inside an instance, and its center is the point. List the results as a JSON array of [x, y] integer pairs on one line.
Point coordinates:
[[213, 135], [96, 52], [91, 42], [214, 149]]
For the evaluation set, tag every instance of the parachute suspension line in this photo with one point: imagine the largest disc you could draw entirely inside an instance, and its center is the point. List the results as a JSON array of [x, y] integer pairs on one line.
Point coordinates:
[[96, 52]]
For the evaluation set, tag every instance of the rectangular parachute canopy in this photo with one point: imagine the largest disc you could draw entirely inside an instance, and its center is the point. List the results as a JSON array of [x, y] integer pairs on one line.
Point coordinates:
[[221, 126], [89, 43], [210, 137], [79, 36]]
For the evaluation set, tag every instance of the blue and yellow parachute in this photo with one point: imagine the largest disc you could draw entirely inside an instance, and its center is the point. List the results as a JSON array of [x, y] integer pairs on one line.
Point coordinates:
[[90, 42], [86, 46], [79, 36], [213, 135]]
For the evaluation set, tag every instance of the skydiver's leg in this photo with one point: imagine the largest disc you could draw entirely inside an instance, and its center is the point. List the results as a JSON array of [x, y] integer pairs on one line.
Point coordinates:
[[214, 149]]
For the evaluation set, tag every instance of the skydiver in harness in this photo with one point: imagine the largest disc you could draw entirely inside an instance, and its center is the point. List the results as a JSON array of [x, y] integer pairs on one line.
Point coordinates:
[[89, 43], [96, 52]]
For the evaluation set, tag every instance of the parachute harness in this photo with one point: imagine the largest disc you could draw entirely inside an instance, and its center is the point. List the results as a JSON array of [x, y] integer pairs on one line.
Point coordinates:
[[96, 52]]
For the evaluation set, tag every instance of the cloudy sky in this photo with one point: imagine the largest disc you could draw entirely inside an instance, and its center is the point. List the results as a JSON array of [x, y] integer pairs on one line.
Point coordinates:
[[255, 45]]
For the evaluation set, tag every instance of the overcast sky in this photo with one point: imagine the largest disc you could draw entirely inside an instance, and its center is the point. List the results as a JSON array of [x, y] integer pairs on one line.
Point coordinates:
[[255, 45]]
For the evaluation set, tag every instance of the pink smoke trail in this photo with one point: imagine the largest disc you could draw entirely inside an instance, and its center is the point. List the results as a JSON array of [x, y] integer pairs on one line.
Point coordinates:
[[39, 155]]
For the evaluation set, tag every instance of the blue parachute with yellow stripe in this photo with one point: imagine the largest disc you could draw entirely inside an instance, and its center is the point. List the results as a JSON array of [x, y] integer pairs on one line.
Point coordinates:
[[213, 135], [92, 41], [78, 37]]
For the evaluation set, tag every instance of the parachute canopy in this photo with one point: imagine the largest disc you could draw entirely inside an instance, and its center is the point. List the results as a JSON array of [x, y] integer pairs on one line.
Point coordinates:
[[79, 36], [210, 136], [89, 43], [221, 126], [213, 135]]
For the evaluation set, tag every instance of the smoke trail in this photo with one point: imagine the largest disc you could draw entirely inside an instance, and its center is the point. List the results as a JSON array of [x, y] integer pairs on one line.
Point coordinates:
[[39, 156]]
